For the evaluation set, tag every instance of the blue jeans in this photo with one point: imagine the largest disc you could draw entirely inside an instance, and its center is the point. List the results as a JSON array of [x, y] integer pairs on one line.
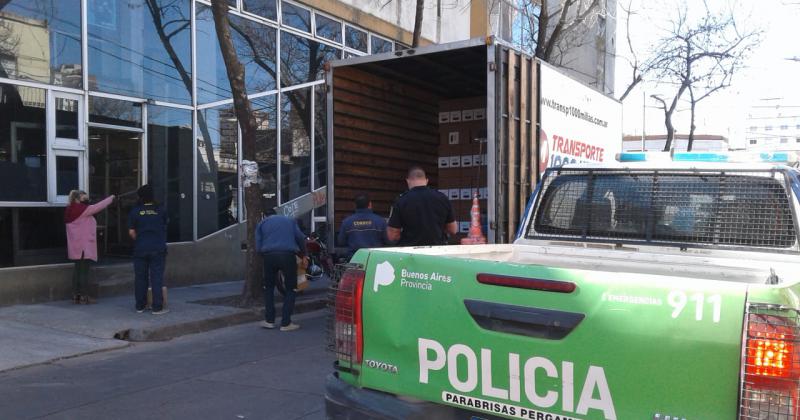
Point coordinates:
[[149, 270], [286, 263]]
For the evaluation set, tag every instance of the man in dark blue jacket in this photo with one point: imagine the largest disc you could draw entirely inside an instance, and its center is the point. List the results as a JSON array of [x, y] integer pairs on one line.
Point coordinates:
[[364, 229], [278, 240], [147, 226]]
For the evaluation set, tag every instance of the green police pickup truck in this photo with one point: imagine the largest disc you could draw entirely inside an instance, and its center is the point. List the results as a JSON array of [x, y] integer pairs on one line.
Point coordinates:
[[640, 291]]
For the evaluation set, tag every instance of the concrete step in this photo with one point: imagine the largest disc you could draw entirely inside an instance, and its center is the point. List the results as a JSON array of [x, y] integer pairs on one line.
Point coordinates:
[[112, 280]]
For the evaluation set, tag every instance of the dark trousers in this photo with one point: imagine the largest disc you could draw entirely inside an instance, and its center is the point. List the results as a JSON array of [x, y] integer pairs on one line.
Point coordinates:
[[285, 263], [149, 270], [80, 277]]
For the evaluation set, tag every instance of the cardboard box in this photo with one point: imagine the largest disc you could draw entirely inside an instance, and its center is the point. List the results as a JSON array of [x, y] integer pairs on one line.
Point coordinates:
[[455, 116], [444, 117], [477, 160], [444, 162], [454, 193], [463, 227], [455, 161], [466, 193], [467, 115], [479, 114], [466, 161]]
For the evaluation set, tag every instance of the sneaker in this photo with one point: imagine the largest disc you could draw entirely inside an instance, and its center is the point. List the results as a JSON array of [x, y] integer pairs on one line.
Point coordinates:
[[139, 310], [267, 325], [290, 327], [160, 311]]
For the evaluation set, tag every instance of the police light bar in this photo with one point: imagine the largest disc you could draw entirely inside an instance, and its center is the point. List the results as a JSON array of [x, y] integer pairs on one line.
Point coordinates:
[[715, 157]]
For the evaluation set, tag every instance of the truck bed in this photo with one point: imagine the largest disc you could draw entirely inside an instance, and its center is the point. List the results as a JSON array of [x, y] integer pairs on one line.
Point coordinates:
[[736, 266]]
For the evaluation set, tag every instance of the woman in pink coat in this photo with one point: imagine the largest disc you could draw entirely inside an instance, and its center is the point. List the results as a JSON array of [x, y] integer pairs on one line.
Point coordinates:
[[82, 239]]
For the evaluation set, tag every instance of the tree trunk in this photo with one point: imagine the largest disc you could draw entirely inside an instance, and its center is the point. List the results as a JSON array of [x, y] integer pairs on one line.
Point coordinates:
[[670, 130], [418, 23], [247, 123], [692, 126]]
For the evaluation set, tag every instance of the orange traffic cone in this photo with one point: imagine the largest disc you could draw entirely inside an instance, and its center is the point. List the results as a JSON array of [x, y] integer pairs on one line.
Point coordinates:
[[475, 235]]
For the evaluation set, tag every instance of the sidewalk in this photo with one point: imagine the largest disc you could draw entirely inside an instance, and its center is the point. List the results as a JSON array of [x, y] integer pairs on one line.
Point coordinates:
[[34, 334]]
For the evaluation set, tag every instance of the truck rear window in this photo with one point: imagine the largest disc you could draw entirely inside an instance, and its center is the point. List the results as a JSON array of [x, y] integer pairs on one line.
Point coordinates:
[[734, 209]]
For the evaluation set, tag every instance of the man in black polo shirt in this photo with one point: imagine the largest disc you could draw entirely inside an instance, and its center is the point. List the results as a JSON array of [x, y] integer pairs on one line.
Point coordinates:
[[421, 216]]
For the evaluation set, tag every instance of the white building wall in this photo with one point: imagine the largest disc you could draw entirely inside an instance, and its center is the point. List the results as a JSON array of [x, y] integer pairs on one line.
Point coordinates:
[[772, 126], [678, 144], [454, 24]]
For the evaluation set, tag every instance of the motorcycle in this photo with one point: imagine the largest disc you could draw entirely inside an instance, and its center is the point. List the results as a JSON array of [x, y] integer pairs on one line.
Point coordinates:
[[319, 263]]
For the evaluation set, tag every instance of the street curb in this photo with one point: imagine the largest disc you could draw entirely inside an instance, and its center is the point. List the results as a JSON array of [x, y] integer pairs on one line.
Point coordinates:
[[71, 356], [193, 327]]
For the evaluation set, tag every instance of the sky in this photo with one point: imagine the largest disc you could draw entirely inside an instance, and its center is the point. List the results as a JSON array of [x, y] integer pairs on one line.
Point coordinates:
[[768, 73]]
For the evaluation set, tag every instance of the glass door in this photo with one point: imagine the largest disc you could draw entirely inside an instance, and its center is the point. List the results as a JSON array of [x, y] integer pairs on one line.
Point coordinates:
[[115, 167]]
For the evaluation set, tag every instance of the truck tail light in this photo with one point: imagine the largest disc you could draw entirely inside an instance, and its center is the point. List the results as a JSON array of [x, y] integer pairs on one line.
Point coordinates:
[[347, 324], [771, 371], [526, 283]]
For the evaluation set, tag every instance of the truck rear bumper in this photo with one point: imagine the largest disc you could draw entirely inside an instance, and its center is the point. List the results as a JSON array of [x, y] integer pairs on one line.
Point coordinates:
[[346, 402]]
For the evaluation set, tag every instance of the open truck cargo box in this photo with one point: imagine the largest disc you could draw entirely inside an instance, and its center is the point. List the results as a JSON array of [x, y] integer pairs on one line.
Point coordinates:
[[450, 108]]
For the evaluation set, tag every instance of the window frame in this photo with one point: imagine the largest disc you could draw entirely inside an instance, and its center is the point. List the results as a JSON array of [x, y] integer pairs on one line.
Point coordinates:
[[341, 22], [312, 20], [243, 12], [373, 35], [351, 49], [58, 146]]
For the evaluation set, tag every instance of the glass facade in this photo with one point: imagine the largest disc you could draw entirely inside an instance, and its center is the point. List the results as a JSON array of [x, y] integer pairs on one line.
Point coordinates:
[[170, 170], [302, 59], [217, 169], [296, 120], [330, 29], [23, 143], [296, 17], [264, 8], [153, 104], [41, 41], [266, 114], [115, 112], [380, 45], [255, 47], [356, 39], [141, 48]]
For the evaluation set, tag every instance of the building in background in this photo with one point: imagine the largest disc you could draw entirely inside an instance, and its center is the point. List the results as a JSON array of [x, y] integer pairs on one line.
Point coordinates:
[[655, 143], [587, 53], [105, 96], [773, 124]]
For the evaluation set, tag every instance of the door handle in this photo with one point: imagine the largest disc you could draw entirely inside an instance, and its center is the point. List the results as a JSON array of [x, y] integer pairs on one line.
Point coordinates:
[[523, 320]]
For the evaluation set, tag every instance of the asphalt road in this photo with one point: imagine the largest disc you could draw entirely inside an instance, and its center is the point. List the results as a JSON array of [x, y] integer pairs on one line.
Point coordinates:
[[241, 372]]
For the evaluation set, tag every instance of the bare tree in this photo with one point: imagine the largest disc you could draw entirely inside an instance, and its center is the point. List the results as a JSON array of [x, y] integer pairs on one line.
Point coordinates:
[[418, 23], [641, 64], [700, 55], [550, 28], [247, 123]]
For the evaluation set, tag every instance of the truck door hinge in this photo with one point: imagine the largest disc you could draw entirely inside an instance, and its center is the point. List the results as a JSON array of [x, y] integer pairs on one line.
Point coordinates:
[[492, 66]]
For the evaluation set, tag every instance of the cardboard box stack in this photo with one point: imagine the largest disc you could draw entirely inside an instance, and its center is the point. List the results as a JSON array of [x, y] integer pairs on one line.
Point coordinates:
[[462, 157]]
